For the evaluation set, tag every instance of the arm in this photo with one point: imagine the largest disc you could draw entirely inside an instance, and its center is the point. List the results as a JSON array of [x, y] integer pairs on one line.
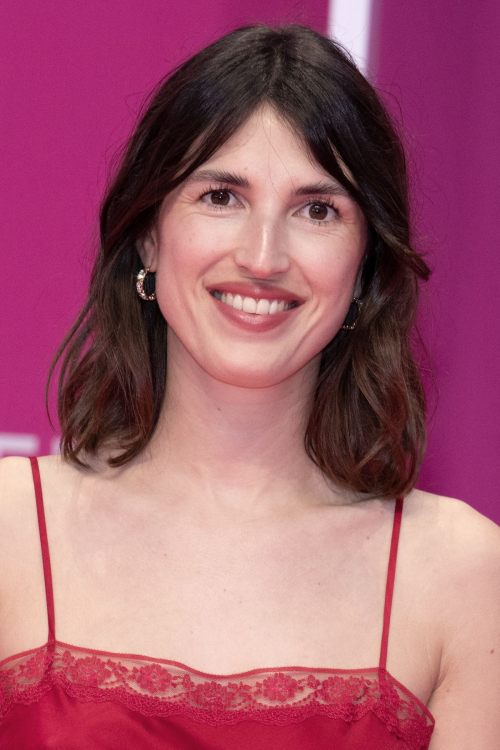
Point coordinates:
[[465, 702]]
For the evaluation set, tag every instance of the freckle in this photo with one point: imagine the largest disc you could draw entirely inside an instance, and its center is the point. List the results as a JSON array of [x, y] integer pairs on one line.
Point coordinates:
[[492, 651], [367, 537]]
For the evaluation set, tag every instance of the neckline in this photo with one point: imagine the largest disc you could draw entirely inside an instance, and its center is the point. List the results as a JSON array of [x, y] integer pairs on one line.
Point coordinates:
[[51, 645], [49, 589], [52, 642]]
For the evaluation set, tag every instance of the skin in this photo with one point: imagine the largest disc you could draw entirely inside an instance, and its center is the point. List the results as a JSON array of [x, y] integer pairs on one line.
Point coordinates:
[[251, 389], [206, 547]]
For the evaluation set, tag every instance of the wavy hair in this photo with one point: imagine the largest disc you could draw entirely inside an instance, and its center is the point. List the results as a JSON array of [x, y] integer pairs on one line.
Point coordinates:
[[366, 428]]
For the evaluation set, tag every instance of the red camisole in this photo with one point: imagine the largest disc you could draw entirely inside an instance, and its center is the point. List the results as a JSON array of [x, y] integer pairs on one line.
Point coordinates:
[[62, 697]]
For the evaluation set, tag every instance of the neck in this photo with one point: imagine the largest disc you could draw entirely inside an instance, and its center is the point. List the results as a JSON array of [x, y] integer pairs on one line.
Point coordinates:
[[235, 450]]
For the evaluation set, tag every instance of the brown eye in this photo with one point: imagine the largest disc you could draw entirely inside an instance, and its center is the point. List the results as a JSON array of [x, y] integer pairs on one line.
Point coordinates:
[[220, 197], [318, 211]]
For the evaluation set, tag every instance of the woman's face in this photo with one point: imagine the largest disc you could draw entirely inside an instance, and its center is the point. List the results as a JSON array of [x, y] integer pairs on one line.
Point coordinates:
[[263, 224]]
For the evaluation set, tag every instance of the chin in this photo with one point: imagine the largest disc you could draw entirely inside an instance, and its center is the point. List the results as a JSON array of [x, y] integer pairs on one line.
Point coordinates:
[[242, 377]]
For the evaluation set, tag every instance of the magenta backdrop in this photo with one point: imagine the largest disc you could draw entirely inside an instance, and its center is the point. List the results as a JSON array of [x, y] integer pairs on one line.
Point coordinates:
[[441, 59], [73, 77]]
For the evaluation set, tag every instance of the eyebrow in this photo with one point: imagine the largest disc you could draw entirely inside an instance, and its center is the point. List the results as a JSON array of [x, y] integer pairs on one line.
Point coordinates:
[[217, 175]]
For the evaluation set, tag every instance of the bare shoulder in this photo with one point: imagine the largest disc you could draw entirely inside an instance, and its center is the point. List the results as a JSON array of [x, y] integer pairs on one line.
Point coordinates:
[[17, 495], [459, 550], [461, 561], [17, 525], [16, 478], [453, 552], [458, 532]]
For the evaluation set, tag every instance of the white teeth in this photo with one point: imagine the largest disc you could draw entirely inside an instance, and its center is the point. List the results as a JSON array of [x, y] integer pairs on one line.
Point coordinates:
[[252, 305], [249, 305], [263, 306]]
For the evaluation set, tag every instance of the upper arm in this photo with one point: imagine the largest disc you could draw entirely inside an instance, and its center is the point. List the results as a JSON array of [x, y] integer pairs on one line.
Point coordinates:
[[15, 486], [466, 698], [16, 491]]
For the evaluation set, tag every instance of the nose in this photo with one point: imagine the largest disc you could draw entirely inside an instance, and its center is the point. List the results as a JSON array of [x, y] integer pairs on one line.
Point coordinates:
[[262, 249]]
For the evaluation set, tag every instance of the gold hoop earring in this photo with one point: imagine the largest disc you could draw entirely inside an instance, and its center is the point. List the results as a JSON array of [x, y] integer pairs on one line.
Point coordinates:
[[359, 305], [140, 285]]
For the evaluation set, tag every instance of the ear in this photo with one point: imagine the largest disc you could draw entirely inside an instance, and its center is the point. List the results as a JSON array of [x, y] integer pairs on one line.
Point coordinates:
[[147, 247]]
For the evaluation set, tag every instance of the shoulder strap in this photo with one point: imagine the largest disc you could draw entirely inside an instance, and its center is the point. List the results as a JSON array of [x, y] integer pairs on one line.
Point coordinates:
[[391, 572], [47, 573]]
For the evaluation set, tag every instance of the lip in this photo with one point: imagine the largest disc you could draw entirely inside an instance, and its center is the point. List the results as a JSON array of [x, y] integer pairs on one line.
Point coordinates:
[[256, 290], [252, 321]]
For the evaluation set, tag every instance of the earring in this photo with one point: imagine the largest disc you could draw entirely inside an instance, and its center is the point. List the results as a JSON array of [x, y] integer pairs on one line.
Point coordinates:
[[359, 305], [140, 285]]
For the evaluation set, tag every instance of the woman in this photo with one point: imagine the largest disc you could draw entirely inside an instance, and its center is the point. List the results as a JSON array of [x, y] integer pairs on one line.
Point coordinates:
[[242, 427]]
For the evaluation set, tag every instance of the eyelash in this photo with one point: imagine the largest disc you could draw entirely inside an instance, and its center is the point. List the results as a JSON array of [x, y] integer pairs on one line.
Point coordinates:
[[314, 202]]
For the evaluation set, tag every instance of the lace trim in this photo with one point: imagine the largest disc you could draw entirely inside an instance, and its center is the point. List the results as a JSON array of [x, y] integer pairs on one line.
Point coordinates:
[[276, 696]]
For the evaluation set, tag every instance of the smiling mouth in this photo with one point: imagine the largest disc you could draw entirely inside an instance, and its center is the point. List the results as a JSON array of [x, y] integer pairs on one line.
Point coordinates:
[[252, 305]]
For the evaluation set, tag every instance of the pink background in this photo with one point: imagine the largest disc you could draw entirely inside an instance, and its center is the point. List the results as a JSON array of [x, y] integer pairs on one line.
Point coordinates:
[[73, 77]]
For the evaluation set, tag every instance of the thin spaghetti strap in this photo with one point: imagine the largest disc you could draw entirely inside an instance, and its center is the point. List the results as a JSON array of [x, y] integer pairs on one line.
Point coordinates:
[[391, 572], [44, 542]]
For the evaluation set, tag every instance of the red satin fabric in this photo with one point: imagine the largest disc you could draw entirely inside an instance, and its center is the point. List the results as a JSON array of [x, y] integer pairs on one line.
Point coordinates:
[[62, 697], [59, 722]]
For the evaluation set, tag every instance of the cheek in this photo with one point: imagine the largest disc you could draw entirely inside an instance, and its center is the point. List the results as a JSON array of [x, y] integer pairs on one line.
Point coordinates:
[[185, 254], [179, 256], [340, 268], [340, 272], [193, 245], [332, 275], [333, 271]]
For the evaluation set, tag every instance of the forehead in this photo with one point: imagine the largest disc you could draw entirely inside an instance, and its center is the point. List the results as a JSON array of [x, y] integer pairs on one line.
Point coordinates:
[[265, 127], [265, 136], [268, 140]]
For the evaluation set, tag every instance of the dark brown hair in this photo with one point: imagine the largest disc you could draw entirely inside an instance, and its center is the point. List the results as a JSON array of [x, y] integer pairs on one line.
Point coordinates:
[[366, 429]]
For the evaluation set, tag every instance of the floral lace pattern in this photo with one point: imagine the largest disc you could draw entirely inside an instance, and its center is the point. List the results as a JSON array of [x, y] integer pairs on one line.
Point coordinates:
[[277, 696]]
